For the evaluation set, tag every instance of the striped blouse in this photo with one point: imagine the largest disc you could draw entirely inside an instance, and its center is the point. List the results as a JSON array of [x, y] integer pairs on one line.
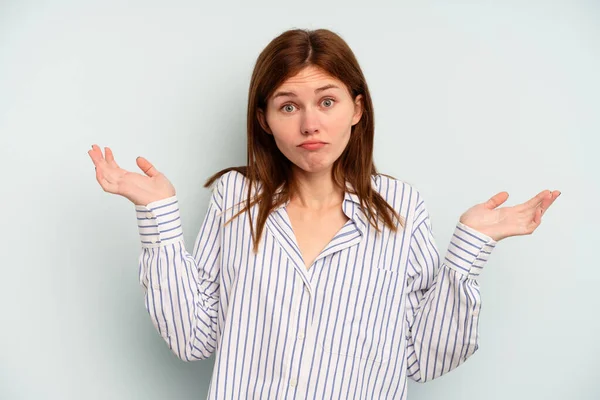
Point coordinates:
[[372, 310]]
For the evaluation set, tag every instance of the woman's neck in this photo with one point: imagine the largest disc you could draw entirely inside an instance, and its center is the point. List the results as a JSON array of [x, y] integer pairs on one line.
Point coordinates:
[[315, 191]]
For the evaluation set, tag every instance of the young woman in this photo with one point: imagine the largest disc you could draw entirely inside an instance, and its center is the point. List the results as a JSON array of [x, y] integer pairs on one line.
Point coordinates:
[[313, 276]]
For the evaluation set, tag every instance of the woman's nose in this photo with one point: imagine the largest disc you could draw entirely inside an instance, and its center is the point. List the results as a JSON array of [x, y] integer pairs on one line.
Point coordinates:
[[310, 121]]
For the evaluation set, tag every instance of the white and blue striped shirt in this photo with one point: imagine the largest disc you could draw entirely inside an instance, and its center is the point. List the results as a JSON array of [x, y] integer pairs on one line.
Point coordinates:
[[371, 311]]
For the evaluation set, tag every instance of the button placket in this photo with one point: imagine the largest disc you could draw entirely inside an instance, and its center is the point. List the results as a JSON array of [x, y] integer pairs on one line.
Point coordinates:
[[309, 350], [288, 360]]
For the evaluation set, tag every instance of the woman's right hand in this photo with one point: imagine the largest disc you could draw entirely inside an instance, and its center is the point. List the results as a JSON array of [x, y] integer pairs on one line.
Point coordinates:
[[139, 189]]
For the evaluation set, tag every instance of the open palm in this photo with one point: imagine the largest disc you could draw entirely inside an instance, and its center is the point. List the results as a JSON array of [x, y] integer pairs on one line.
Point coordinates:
[[500, 223], [139, 189]]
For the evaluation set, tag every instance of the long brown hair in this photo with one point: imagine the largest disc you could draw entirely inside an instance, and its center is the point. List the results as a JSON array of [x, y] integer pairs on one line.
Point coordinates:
[[284, 57]]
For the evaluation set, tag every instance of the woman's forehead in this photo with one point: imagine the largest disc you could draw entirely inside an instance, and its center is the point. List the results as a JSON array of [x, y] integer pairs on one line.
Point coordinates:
[[309, 74], [309, 78]]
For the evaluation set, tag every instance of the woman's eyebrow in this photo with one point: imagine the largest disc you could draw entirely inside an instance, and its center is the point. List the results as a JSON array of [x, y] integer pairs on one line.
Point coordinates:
[[317, 90]]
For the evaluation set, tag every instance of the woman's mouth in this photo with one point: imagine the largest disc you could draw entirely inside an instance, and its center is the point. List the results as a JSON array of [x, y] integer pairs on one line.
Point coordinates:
[[312, 145]]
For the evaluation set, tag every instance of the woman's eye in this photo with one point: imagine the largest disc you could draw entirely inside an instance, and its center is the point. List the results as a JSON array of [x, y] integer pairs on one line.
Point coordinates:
[[288, 108], [328, 102]]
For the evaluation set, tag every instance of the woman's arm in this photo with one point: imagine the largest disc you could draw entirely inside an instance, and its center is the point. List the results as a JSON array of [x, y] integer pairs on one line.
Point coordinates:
[[443, 298], [181, 289]]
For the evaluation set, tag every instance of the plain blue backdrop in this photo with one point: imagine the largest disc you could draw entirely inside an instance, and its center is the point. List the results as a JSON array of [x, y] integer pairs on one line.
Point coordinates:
[[470, 99]]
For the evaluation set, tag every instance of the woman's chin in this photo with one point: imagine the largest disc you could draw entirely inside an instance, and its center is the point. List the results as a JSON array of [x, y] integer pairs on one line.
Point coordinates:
[[315, 168]]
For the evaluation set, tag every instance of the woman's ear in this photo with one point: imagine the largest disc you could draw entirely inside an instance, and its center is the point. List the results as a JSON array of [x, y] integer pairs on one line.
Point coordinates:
[[358, 109], [262, 120]]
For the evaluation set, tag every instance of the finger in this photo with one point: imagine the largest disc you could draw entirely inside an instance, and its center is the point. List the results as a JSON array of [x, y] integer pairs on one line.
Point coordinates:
[[536, 200], [537, 218], [109, 154], [496, 200], [146, 166], [110, 158], [549, 198], [96, 154], [548, 201], [535, 222]]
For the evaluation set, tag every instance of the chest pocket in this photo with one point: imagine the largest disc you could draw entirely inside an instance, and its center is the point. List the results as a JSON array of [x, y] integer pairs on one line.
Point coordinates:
[[367, 315]]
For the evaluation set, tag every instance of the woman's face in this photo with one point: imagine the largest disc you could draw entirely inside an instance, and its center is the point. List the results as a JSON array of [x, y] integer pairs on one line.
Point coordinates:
[[311, 106]]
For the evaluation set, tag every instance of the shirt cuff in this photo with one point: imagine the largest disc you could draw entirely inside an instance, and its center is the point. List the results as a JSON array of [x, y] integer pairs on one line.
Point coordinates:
[[469, 250], [159, 222]]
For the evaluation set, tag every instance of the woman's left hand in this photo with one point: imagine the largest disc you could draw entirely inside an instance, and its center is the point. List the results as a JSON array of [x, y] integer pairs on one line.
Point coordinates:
[[504, 222]]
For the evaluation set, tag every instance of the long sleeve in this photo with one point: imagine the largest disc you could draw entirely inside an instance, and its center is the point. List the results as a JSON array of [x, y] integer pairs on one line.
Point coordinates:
[[443, 297], [181, 289]]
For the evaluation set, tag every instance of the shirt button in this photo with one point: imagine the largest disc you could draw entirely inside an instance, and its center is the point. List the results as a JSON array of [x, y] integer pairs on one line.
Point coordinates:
[[300, 336], [293, 382], [149, 215]]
